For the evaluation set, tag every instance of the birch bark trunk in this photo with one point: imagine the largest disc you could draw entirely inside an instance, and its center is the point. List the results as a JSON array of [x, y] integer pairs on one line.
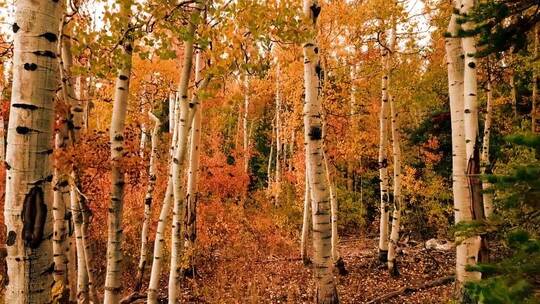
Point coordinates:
[[398, 204], [148, 200], [456, 78], [190, 220], [178, 165], [383, 160], [270, 156], [487, 196], [113, 286], [396, 151], [320, 197], [305, 222], [61, 188], [28, 198], [245, 124]]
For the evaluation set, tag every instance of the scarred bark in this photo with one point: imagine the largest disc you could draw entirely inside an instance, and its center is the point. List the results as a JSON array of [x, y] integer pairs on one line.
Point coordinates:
[[320, 197], [28, 198]]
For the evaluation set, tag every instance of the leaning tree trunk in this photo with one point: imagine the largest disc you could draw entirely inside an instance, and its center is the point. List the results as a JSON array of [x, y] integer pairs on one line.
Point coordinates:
[[320, 197], [113, 284], [148, 200], [487, 195], [28, 198], [183, 125], [383, 159], [159, 242]]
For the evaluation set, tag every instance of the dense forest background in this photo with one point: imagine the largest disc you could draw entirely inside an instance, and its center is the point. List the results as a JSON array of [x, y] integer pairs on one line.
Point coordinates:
[[242, 66]]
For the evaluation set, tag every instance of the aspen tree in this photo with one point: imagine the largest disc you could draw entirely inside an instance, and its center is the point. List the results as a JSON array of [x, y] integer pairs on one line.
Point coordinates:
[[456, 67], [66, 137], [61, 188], [325, 287], [245, 124], [487, 196], [271, 155], [113, 284], [183, 124], [278, 132], [472, 146], [190, 220], [28, 197], [383, 159], [305, 221], [77, 197], [148, 200], [396, 152]]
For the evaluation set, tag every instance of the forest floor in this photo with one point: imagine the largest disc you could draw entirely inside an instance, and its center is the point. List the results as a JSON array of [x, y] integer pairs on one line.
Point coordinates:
[[260, 274]]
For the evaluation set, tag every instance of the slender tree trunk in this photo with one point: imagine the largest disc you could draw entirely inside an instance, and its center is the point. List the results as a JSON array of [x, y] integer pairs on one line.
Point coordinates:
[[383, 159], [305, 221], [172, 103], [159, 242], [113, 284], [278, 134], [148, 200], [77, 197], [396, 151], [61, 180], [334, 213], [486, 166], [190, 220], [245, 125], [28, 199], [398, 204], [320, 197], [270, 157], [183, 125]]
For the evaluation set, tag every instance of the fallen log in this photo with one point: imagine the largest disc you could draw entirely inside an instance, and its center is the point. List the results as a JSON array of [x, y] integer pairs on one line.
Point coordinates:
[[407, 289]]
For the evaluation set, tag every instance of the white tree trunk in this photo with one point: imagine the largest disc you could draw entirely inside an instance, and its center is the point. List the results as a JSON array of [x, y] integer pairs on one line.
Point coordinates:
[[278, 133], [270, 156], [245, 124], [178, 164], [398, 204], [487, 197], [113, 284], [383, 159], [172, 103], [396, 151], [61, 187], [320, 197], [28, 198], [456, 66], [190, 220], [305, 221], [148, 200], [159, 242], [333, 211]]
